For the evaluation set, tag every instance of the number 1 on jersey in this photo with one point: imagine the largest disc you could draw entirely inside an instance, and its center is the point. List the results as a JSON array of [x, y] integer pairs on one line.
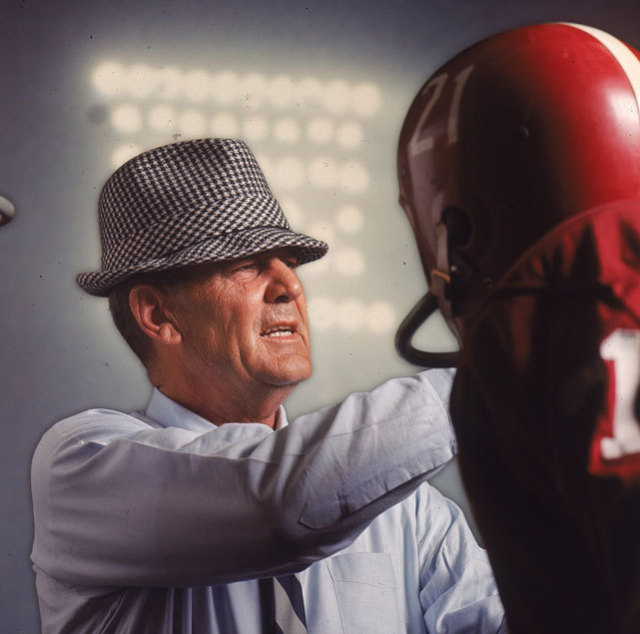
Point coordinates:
[[623, 348]]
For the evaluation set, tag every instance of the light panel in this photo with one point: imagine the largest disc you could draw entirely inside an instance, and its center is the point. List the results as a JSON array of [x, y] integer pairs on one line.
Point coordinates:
[[224, 125], [349, 219], [308, 135], [126, 118], [286, 130], [320, 130], [192, 123], [161, 118]]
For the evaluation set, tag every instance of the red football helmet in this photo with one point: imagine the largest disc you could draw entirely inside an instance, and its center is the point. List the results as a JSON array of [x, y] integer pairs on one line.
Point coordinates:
[[503, 142]]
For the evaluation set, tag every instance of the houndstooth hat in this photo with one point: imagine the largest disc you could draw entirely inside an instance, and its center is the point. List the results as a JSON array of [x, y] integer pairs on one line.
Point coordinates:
[[187, 203]]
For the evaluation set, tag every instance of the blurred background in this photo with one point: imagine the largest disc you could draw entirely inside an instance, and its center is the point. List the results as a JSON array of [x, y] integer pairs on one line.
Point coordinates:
[[318, 89]]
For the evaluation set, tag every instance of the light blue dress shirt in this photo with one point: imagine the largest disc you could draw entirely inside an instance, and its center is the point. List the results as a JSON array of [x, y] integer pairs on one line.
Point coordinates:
[[160, 523]]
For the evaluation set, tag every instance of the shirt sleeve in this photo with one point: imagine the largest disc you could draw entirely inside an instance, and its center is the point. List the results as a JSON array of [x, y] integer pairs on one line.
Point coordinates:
[[117, 502], [458, 592]]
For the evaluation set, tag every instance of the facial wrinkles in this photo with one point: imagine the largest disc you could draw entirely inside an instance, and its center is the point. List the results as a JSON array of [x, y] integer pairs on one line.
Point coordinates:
[[221, 320], [285, 312], [196, 317], [224, 317], [281, 310]]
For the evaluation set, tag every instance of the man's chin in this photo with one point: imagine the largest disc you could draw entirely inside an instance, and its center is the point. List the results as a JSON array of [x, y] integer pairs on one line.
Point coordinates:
[[289, 375]]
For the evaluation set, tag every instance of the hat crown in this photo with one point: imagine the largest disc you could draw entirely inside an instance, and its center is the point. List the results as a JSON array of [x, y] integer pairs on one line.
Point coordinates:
[[180, 180], [186, 203]]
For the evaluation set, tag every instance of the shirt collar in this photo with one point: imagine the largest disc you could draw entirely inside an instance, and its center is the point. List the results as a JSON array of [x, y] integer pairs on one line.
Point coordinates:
[[168, 413]]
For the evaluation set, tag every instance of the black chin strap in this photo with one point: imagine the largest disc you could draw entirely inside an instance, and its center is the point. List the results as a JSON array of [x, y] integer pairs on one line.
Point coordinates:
[[409, 326]]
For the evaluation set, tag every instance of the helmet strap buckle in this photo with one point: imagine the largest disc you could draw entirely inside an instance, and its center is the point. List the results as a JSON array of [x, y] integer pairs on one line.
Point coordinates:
[[441, 274]]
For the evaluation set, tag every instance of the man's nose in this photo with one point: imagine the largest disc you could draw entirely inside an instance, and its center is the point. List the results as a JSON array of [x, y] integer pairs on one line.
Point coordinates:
[[284, 285]]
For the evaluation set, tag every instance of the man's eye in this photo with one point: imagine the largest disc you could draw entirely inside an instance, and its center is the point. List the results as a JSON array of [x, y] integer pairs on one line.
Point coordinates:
[[243, 268]]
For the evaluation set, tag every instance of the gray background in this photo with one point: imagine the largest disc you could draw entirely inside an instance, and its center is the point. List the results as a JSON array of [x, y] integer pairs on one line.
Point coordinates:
[[60, 353]]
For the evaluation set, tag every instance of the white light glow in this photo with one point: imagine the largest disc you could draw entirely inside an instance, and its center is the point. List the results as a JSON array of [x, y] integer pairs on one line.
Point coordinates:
[[308, 94], [322, 230], [349, 262], [349, 219], [354, 177], [322, 172], [192, 123], [281, 91], [126, 118], [349, 135], [170, 82], [351, 314], [224, 125], [226, 88], [197, 86], [255, 128], [380, 317], [123, 153], [141, 81], [286, 131], [366, 99], [289, 172], [162, 118], [254, 90], [337, 96], [320, 130], [322, 313], [108, 79]]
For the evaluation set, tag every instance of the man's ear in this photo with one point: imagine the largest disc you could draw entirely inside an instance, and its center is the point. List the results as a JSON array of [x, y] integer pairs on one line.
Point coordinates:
[[153, 312]]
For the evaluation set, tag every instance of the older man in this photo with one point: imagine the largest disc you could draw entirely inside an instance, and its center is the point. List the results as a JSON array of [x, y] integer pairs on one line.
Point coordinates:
[[208, 513]]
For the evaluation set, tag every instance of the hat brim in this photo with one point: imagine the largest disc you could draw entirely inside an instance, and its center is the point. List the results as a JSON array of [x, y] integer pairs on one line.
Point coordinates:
[[216, 249]]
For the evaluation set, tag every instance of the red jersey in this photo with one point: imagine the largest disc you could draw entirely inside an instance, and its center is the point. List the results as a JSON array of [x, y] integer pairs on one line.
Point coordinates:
[[545, 406]]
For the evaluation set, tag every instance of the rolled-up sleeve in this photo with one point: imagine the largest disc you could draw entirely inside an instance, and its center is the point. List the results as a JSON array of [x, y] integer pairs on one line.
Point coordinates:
[[120, 502]]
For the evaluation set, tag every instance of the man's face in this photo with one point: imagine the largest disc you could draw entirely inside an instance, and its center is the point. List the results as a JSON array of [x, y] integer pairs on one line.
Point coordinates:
[[244, 323]]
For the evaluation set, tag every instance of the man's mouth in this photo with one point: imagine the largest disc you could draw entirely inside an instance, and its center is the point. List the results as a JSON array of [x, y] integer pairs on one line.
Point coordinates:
[[279, 331]]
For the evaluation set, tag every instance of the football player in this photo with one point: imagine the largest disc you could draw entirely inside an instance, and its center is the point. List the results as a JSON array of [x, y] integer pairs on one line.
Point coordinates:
[[519, 170]]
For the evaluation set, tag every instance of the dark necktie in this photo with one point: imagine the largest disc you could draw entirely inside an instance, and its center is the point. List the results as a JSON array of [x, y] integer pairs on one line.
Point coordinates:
[[282, 605], [289, 605]]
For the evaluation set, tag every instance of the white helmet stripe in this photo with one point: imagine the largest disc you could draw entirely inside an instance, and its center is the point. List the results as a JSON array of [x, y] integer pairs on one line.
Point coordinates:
[[629, 63]]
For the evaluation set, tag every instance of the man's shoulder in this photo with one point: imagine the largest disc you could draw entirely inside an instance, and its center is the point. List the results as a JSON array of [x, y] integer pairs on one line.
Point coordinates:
[[96, 425]]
